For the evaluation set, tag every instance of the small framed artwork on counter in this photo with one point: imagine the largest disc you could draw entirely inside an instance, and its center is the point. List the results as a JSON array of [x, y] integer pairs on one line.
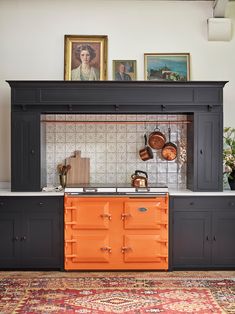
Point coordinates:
[[167, 66], [85, 57], [124, 70]]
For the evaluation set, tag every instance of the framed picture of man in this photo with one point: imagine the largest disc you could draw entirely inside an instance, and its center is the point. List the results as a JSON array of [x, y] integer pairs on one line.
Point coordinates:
[[85, 57], [124, 70], [166, 66]]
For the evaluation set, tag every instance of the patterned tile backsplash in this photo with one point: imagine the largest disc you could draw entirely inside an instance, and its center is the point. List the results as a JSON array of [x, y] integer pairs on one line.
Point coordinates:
[[113, 148]]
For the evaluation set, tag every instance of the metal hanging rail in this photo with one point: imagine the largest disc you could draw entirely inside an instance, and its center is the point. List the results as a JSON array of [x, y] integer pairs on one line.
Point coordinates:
[[119, 122]]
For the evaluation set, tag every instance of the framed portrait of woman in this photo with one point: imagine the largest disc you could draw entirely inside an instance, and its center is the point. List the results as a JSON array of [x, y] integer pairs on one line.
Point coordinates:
[[85, 57]]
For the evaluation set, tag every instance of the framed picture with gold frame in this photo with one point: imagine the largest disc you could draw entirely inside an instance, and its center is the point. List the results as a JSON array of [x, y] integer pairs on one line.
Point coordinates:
[[85, 57], [124, 70], [167, 66]]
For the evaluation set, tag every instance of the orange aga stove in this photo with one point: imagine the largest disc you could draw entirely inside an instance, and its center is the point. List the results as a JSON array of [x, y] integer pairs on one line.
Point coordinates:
[[116, 228]]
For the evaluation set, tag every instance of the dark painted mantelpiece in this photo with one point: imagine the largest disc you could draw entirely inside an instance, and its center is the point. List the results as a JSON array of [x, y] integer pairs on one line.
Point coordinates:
[[202, 101]]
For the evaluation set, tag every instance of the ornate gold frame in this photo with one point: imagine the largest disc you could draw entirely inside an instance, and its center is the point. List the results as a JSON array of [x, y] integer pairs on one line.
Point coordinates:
[[99, 43]]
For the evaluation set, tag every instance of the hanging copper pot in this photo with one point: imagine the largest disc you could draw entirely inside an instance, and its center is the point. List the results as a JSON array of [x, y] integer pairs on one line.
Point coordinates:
[[169, 150], [157, 139], [146, 152]]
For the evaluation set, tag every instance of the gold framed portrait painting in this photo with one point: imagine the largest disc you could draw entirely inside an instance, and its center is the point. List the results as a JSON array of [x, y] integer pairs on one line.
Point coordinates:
[[85, 57], [166, 66], [124, 70]]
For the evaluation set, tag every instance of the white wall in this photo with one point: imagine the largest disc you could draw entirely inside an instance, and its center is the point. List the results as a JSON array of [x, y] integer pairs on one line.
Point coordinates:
[[32, 43]]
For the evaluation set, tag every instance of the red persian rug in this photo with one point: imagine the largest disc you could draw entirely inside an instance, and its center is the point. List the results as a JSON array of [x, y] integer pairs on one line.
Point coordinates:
[[117, 292]]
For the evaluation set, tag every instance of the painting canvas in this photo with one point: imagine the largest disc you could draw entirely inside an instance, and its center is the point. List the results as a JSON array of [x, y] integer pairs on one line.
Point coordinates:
[[166, 66], [85, 58], [124, 70]]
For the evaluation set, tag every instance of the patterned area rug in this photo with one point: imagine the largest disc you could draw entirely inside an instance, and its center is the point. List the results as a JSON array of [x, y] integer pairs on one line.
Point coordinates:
[[117, 292]]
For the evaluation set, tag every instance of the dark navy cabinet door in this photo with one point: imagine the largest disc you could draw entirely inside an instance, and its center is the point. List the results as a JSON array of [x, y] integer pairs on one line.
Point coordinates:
[[223, 238], [25, 152], [10, 231], [208, 150], [191, 239]]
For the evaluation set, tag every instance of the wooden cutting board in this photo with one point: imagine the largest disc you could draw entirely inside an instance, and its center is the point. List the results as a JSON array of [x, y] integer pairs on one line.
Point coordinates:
[[80, 169]]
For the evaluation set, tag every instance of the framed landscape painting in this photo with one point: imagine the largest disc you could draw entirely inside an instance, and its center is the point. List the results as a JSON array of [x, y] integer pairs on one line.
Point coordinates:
[[124, 70], [85, 57], [167, 66]]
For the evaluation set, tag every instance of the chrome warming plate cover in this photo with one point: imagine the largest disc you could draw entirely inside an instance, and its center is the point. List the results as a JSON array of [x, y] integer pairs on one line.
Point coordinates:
[[114, 190]]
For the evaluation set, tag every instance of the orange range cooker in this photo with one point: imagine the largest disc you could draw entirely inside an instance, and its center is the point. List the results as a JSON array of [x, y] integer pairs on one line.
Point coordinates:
[[116, 228]]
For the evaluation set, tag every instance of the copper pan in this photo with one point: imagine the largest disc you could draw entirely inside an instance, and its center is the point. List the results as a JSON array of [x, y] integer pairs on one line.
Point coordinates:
[[157, 139], [169, 150]]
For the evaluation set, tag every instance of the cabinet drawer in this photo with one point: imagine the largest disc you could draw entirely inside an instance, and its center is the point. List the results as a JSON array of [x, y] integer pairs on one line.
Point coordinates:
[[30, 202], [203, 202]]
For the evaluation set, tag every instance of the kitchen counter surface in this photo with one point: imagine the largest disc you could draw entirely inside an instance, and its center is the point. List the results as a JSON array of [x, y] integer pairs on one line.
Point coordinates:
[[7, 192]]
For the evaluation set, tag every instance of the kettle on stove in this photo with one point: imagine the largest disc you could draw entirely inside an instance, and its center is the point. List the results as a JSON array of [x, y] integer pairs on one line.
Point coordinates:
[[139, 181]]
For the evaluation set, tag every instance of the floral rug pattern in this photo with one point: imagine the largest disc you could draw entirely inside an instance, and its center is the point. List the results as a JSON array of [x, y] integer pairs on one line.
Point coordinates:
[[117, 292]]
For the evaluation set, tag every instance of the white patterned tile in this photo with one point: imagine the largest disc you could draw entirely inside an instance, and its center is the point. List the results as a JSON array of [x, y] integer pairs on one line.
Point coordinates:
[[101, 178], [121, 167], [131, 137], [50, 157], [111, 178], [121, 117], [90, 128], [80, 128], [80, 117], [131, 128], [60, 117], [111, 157], [111, 167], [93, 178], [121, 147], [111, 128], [100, 147], [100, 157], [60, 148], [90, 137], [70, 137], [50, 148], [121, 128], [70, 148], [80, 146], [90, 117], [131, 148], [172, 167], [141, 166], [50, 137], [121, 178], [111, 137], [50, 127], [100, 138], [80, 137], [131, 117], [60, 127], [131, 157], [101, 128], [48, 117], [90, 148], [121, 157], [111, 117], [172, 178], [111, 147], [152, 177], [70, 127], [100, 167], [121, 137], [70, 117]]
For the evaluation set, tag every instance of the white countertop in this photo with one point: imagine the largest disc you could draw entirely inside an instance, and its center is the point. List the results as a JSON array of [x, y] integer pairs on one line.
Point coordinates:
[[7, 192]]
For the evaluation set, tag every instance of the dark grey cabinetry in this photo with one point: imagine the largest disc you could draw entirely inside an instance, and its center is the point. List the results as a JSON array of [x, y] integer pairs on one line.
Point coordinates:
[[203, 232], [25, 151], [31, 232], [201, 101], [205, 151]]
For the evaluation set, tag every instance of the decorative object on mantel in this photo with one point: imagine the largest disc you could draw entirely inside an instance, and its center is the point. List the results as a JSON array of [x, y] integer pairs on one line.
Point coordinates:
[[85, 58], [229, 155], [166, 66], [63, 170]]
